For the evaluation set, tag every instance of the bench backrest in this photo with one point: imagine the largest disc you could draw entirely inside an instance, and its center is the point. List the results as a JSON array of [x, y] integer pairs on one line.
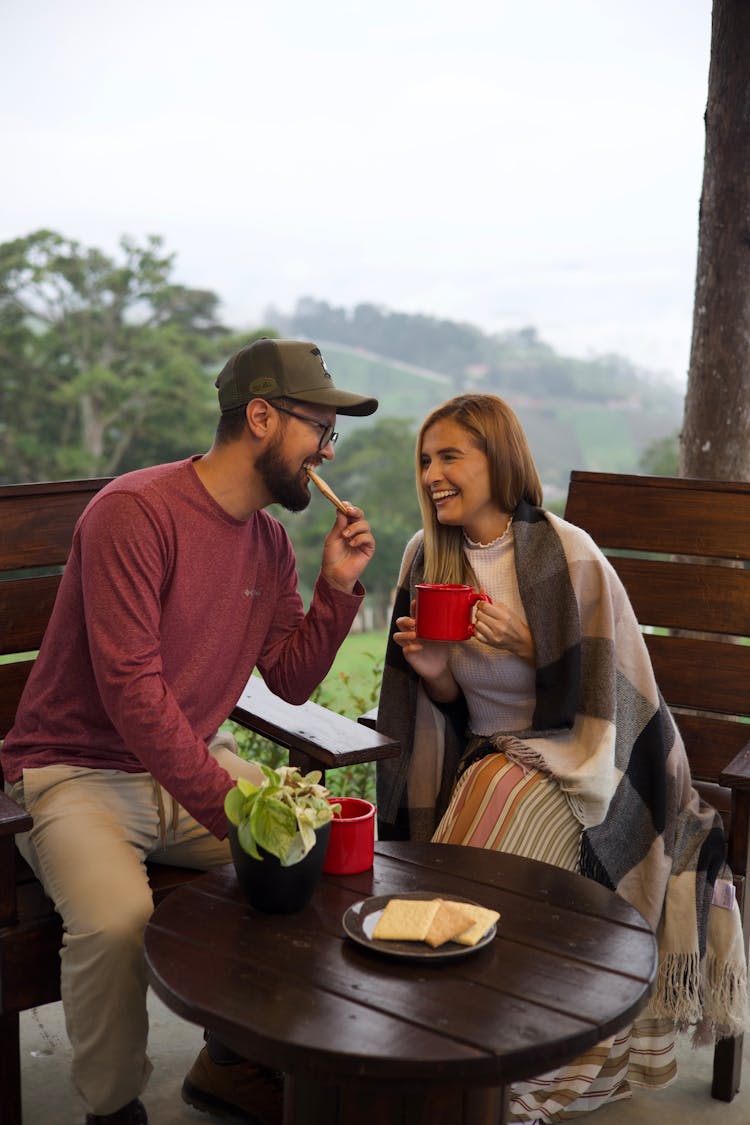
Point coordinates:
[[682, 549], [36, 530]]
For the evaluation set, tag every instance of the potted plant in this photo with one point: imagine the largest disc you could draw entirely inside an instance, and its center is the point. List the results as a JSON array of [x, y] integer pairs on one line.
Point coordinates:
[[278, 832]]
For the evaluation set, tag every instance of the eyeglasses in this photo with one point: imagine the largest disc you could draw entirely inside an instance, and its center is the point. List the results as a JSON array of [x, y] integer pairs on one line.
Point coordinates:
[[328, 434]]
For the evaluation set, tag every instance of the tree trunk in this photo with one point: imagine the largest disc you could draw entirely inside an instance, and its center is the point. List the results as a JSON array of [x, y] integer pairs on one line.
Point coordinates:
[[715, 442]]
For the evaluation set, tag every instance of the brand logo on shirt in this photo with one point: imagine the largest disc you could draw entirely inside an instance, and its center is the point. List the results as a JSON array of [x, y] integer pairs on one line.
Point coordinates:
[[251, 593]]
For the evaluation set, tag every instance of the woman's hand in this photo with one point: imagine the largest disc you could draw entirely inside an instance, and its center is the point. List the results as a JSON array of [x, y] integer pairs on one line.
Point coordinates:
[[429, 659], [498, 626]]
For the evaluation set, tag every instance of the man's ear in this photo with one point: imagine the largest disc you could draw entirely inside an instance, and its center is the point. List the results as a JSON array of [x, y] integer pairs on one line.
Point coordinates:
[[261, 418]]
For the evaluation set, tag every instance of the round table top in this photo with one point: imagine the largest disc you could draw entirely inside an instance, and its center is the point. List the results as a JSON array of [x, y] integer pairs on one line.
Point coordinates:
[[571, 963]]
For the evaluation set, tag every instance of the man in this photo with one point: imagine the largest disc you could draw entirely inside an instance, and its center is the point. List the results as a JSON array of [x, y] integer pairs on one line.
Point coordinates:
[[177, 586]]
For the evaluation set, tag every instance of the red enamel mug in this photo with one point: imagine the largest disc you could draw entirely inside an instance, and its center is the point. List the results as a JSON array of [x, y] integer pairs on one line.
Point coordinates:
[[445, 611], [351, 845]]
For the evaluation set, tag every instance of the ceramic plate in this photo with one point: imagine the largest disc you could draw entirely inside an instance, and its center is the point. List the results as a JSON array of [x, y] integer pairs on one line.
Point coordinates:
[[360, 920]]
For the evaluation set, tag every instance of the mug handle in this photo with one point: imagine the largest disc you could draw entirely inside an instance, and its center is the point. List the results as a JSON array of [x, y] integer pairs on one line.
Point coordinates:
[[472, 602]]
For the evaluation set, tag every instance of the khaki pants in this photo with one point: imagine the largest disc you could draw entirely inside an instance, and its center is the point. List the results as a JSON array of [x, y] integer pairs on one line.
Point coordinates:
[[93, 831]]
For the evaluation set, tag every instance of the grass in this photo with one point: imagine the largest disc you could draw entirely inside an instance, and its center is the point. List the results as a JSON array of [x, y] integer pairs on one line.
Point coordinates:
[[354, 677]]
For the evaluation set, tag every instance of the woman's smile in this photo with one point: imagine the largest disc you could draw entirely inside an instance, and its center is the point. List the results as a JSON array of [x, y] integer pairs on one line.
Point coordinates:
[[444, 494]]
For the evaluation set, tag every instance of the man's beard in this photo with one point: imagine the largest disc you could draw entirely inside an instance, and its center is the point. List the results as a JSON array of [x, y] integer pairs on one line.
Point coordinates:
[[285, 486]]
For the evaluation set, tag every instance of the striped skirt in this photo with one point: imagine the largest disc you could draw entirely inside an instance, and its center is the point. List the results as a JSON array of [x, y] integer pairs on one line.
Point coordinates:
[[500, 805]]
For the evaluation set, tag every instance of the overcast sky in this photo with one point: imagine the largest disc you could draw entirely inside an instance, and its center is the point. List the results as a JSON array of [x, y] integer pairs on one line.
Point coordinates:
[[503, 162]]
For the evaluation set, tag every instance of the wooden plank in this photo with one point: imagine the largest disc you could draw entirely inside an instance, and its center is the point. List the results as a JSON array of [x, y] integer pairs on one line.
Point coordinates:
[[682, 595], [727, 1069], [13, 818], [489, 869], [38, 521], [711, 743], [310, 1102], [619, 954], [701, 674], [13, 679], [329, 738], [368, 1029], [25, 608], [8, 905], [668, 515], [737, 772], [284, 1008], [34, 940]]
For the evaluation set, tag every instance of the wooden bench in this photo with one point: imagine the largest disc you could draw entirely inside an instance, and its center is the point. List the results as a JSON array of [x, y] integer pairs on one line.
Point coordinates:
[[682, 550], [36, 528]]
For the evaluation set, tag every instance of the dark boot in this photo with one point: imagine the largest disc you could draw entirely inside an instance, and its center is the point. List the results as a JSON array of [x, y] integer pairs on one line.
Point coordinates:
[[134, 1113], [220, 1084]]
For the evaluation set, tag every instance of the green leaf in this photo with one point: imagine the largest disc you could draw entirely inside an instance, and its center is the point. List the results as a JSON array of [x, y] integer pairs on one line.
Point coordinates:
[[233, 804], [273, 826], [271, 775], [247, 788], [295, 852], [247, 841]]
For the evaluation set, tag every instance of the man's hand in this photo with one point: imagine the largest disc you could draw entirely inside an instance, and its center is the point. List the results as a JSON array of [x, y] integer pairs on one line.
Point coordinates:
[[348, 548]]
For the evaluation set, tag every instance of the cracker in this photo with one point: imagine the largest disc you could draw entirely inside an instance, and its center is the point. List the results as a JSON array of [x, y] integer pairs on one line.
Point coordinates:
[[482, 917], [405, 919], [451, 919]]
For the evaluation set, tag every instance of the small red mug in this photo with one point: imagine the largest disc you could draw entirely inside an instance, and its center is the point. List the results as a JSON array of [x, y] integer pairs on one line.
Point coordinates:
[[445, 611], [351, 844]]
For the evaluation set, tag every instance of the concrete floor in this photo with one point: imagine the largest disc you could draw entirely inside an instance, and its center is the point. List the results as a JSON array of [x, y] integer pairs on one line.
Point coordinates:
[[49, 1098]]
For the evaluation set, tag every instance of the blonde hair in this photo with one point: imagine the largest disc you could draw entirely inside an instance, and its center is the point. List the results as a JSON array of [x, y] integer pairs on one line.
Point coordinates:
[[496, 431]]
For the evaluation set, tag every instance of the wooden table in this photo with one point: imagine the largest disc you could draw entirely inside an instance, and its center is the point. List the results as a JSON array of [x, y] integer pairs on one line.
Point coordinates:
[[379, 1041]]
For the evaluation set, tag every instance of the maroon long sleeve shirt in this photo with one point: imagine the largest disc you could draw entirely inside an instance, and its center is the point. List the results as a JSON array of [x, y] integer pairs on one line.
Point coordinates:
[[166, 606]]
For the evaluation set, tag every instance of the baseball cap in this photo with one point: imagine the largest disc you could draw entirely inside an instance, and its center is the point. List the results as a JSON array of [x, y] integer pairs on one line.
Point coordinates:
[[285, 368]]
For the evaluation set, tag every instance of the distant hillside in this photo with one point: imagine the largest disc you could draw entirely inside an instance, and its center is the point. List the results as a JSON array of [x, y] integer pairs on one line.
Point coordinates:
[[595, 414]]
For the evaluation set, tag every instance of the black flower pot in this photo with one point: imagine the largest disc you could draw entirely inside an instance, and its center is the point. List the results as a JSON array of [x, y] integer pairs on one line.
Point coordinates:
[[275, 889]]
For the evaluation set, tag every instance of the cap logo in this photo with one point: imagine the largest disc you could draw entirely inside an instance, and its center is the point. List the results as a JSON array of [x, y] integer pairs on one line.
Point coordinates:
[[317, 352], [263, 386]]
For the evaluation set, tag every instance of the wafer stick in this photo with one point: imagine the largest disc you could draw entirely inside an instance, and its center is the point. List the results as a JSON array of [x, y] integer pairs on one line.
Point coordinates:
[[328, 492]]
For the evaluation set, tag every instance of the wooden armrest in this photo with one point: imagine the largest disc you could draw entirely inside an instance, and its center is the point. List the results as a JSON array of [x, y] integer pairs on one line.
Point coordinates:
[[736, 775], [13, 818], [311, 733], [369, 719]]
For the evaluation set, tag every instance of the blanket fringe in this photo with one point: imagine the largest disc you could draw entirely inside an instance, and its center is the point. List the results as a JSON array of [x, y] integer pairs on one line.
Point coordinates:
[[725, 1002], [520, 752], [711, 998], [528, 758], [678, 989]]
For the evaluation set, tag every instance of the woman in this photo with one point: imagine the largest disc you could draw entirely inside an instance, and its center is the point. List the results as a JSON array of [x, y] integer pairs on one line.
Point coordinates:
[[545, 735]]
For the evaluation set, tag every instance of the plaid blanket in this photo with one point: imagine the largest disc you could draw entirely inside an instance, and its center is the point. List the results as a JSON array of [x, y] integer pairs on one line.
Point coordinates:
[[602, 729]]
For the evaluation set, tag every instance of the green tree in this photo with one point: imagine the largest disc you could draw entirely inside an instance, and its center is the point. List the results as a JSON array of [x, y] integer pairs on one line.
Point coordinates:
[[104, 359], [661, 458], [715, 440]]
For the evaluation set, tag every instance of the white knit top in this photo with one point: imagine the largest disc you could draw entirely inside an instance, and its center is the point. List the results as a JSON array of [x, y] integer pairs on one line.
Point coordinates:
[[498, 686]]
